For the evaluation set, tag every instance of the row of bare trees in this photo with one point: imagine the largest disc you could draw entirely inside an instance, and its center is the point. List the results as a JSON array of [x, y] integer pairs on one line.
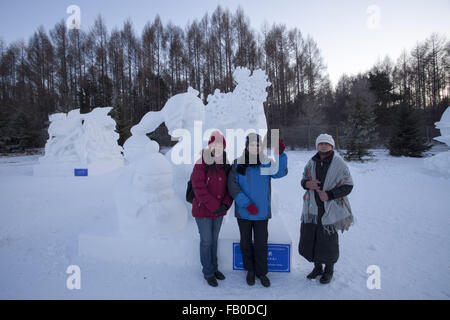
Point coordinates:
[[66, 69], [423, 75]]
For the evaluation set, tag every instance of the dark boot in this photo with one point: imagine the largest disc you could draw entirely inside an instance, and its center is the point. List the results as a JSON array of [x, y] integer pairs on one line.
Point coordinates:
[[317, 271], [219, 275], [327, 275], [250, 278], [264, 281], [212, 281]]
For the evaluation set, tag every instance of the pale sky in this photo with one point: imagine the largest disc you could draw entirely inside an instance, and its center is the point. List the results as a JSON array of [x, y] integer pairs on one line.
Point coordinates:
[[348, 33]]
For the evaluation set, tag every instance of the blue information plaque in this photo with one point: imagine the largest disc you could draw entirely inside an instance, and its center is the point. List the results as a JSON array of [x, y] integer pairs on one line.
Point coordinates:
[[80, 172], [278, 257]]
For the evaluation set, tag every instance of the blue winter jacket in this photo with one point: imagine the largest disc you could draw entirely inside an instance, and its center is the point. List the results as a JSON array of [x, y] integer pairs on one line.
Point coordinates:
[[255, 187]]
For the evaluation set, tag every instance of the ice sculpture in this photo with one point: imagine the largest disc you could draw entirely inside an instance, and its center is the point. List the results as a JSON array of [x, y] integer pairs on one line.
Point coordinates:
[[241, 109], [80, 141], [440, 163], [444, 127], [145, 195], [150, 192]]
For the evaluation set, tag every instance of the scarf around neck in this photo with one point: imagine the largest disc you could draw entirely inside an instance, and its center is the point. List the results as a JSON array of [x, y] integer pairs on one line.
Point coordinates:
[[338, 213]]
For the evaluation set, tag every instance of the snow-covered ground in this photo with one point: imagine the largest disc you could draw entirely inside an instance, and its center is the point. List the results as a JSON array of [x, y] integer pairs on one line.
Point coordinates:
[[402, 225]]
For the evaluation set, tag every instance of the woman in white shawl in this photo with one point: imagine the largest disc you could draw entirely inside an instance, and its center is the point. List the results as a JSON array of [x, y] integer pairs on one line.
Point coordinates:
[[326, 209]]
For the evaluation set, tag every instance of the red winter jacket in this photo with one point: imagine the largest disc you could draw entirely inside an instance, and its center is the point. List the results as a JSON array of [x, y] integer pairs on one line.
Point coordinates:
[[210, 189]]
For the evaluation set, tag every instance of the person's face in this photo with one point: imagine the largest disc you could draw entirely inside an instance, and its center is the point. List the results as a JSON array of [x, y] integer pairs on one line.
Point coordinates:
[[217, 149], [325, 147], [253, 148]]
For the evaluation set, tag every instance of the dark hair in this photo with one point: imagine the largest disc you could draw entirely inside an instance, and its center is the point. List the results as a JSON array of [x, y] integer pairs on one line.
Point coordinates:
[[253, 137], [250, 160]]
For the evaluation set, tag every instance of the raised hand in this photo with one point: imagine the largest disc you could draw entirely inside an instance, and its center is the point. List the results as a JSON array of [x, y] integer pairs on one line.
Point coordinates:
[[279, 149]]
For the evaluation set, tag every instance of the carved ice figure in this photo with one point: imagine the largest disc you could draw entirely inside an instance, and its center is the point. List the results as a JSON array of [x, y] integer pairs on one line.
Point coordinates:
[[241, 109], [440, 163], [150, 192], [145, 199], [150, 179], [81, 141]]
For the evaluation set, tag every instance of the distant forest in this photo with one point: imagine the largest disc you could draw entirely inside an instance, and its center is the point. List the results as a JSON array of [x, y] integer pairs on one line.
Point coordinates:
[[61, 70]]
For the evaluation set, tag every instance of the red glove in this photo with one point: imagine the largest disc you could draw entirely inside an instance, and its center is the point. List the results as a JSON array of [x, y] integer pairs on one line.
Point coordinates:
[[281, 147], [252, 208]]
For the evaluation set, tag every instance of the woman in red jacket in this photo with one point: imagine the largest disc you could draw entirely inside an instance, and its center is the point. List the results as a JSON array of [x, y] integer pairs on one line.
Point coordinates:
[[211, 203]]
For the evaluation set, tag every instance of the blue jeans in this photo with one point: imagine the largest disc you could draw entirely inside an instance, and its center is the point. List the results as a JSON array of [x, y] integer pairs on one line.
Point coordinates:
[[209, 233]]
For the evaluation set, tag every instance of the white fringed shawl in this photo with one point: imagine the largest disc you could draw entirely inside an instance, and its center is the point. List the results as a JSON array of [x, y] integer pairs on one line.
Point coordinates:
[[338, 213]]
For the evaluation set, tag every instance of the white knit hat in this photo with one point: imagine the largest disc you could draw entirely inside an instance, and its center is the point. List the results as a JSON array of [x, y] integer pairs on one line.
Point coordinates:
[[324, 138]]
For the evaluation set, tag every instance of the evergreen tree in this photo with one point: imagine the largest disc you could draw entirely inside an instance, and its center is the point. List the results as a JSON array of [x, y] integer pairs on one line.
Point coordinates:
[[382, 87], [406, 138], [361, 120], [123, 124], [360, 131]]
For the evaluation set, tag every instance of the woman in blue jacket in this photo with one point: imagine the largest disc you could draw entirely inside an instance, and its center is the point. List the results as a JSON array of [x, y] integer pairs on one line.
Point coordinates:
[[249, 185]]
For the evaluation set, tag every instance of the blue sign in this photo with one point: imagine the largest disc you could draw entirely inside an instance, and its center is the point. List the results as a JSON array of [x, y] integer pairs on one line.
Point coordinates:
[[278, 257], [81, 172]]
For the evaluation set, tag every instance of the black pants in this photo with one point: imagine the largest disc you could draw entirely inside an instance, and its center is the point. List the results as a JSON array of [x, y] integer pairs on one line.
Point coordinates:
[[254, 259]]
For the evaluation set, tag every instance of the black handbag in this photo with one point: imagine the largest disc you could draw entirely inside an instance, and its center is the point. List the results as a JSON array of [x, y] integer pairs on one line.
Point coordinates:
[[190, 192]]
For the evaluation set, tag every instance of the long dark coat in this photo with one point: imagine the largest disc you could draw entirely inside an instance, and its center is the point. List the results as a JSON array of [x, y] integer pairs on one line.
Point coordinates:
[[316, 245]]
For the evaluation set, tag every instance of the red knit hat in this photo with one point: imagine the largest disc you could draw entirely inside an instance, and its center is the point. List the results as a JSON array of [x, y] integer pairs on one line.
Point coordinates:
[[217, 136]]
